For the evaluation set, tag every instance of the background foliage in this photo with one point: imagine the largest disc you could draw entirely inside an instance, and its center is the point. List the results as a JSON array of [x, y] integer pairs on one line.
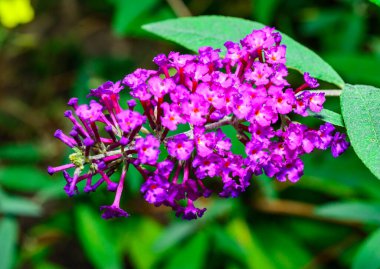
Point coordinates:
[[330, 219]]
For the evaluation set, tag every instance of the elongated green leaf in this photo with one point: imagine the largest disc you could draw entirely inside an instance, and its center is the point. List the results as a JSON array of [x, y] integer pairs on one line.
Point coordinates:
[[98, 246], [8, 239], [225, 243], [353, 211], [20, 206], [192, 255], [368, 256], [255, 253], [329, 116], [174, 234], [20, 152], [139, 242], [287, 252], [360, 111], [25, 178], [214, 31]]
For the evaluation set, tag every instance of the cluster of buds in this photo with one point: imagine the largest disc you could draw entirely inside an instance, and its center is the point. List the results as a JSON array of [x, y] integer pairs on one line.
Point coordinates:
[[246, 89]]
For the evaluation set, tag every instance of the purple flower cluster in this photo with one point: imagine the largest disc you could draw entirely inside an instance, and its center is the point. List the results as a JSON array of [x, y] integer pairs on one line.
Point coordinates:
[[246, 89]]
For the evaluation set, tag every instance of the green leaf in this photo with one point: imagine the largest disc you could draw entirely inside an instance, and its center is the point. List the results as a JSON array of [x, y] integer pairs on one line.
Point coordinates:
[[376, 2], [174, 234], [26, 152], [343, 177], [368, 255], [287, 252], [192, 255], [226, 244], [25, 178], [256, 255], [351, 211], [139, 242], [19, 206], [99, 247], [194, 32], [127, 11], [328, 116], [360, 111], [8, 239]]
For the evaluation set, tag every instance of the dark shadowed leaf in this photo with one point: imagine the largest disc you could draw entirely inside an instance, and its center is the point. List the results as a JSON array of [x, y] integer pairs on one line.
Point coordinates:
[[194, 32], [368, 255], [127, 11], [360, 111], [262, 10], [357, 67]]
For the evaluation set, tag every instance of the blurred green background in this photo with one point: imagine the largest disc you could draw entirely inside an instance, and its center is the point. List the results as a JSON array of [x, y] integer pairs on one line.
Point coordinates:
[[51, 50]]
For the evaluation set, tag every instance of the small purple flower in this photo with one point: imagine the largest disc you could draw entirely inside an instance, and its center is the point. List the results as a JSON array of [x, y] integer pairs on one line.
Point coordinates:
[[291, 171], [325, 134], [260, 74], [208, 166], [180, 94], [339, 144], [293, 136], [155, 190], [301, 105], [283, 102], [212, 94], [310, 140], [316, 101], [196, 110], [234, 52], [258, 40], [264, 115], [148, 149], [138, 77], [90, 113], [111, 211], [179, 61], [159, 87], [208, 55], [129, 120], [190, 211], [65, 139], [180, 147], [278, 77], [172, 116], [310, 81], [107, 88], [276, 55]]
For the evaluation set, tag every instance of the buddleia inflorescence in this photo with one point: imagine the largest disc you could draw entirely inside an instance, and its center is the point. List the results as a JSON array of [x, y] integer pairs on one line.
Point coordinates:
[[246, 89]]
